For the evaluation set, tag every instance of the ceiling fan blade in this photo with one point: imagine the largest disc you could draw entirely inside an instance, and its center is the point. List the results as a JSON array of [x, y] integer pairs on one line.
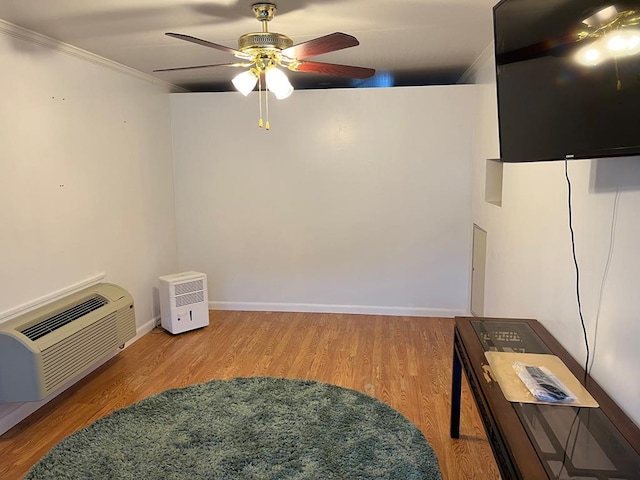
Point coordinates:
[[320, 45], [205, 43], [204, 66], [333, 69]]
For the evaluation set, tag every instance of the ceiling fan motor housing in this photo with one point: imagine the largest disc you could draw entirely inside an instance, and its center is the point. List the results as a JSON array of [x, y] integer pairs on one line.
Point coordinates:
[[263, 40]]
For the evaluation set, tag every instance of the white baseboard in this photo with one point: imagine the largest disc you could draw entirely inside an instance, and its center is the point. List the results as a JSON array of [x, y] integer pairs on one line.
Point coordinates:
[[13, 413], [322, 308], [144, 329]]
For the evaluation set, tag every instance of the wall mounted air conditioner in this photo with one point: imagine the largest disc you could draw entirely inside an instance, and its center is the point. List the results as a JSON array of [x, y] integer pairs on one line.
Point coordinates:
[[43, 349], [184, 302]]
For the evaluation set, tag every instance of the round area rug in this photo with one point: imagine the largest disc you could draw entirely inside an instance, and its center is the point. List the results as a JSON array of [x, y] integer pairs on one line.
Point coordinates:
[[246, 428]]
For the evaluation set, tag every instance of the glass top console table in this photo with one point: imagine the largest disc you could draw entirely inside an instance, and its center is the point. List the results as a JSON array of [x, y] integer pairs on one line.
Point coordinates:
[[533, 441]]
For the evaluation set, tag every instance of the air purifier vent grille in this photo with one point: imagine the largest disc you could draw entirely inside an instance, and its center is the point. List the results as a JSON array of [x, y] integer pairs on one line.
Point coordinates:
[[189, 299], [188, 287]]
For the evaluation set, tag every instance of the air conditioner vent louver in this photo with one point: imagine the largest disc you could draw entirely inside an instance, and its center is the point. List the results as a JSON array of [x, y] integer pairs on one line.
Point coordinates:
[[75, 353], [61, 319]]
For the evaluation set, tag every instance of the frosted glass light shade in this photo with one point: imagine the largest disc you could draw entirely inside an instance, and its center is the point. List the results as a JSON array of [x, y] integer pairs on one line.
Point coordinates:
[[278, 83], [245, 82]]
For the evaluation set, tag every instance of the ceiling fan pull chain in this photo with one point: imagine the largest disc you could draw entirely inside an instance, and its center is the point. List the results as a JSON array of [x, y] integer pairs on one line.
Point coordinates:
[[260, 124], [266, 102]]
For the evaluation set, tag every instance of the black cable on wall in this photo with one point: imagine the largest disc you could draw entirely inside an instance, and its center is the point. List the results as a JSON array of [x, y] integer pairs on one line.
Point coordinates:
[[575, 262]]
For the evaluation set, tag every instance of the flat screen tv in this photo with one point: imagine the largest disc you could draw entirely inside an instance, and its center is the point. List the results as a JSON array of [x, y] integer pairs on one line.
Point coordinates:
[[568, 78]]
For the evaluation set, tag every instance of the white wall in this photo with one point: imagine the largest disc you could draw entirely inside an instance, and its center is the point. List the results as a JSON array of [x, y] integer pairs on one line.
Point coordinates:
[[354, 201], [530, 271], [86, 183]]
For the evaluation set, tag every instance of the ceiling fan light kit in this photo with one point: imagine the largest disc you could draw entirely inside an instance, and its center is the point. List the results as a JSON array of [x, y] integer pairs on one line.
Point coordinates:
[[262, 52]]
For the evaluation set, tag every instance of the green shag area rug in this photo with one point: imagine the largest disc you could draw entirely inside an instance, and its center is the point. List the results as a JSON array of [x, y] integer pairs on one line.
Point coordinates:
[[246, 428]]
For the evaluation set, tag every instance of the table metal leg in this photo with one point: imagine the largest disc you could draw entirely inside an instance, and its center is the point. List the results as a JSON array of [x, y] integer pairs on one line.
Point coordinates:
[[456, 387]]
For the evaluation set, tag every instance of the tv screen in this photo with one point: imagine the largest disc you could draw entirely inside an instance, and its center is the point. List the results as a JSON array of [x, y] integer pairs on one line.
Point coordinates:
[[568, 78]]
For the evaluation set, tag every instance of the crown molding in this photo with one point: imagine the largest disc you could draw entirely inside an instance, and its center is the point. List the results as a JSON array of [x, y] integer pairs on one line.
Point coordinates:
[[12, 30]]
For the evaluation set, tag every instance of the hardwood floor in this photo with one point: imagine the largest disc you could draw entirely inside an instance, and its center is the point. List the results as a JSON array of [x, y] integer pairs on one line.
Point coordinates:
[[403, 361]]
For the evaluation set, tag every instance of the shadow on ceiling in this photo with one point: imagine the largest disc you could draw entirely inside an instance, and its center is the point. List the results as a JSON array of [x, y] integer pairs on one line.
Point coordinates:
[[449, 76]]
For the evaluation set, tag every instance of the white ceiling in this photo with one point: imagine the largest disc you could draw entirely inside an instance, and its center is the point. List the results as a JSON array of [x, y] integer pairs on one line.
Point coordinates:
[[418, 41]]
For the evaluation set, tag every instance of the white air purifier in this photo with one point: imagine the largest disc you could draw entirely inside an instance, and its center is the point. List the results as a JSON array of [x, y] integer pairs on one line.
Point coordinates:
[[184, 303]]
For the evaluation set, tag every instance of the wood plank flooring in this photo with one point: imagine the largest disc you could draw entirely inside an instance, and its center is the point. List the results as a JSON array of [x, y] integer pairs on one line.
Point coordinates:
[[403, 361]]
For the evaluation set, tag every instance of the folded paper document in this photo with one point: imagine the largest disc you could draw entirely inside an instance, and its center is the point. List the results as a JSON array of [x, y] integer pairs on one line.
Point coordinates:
[[546, 367]]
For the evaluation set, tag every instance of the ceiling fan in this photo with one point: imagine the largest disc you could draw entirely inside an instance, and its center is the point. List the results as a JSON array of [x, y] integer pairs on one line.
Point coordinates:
[[262, 52]]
